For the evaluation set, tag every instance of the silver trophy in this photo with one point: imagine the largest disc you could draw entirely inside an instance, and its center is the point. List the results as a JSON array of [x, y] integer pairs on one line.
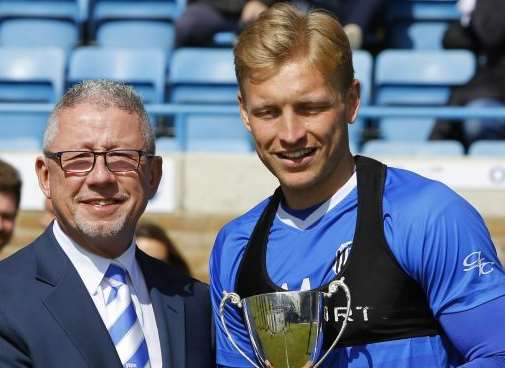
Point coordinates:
[[286, 328]]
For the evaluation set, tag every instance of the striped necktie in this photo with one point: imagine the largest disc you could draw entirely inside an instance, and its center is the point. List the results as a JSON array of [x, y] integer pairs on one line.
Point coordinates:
[[122, 322]]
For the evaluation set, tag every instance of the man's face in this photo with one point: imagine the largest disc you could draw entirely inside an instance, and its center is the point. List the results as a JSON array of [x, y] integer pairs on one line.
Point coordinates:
[[300, 127], [8, 212], [98, 210]]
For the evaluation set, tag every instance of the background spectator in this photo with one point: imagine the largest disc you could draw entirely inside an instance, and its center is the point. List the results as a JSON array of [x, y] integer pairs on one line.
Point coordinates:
[[153, 240], [481, 30], [202, 19], [10, 196]]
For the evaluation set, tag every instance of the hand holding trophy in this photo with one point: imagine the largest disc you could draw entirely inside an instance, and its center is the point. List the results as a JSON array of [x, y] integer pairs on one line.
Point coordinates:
[[286, 328]]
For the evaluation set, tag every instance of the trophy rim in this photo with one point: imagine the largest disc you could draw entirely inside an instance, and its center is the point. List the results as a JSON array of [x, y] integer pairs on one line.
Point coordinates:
[[285, 292]]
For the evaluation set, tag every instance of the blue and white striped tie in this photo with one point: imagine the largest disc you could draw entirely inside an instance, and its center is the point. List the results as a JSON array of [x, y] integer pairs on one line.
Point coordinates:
[[122, 322]]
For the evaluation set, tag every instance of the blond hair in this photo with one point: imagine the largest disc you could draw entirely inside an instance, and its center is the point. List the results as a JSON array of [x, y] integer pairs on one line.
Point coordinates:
[[283, 33]]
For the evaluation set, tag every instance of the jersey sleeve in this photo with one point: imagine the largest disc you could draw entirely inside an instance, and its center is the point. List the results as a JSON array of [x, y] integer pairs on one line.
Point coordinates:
[[442, 242], [223, 265]]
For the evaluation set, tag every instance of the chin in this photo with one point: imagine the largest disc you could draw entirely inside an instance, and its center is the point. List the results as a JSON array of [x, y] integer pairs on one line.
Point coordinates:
[[101, 229]]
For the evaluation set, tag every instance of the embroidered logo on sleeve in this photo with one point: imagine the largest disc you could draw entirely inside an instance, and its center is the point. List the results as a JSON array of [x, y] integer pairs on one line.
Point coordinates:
[[475, 260]]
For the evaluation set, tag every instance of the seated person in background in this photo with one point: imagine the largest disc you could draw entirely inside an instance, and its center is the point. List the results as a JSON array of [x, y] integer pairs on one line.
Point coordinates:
[[202, 19], [482, 30], [153, 240], [10, 195]]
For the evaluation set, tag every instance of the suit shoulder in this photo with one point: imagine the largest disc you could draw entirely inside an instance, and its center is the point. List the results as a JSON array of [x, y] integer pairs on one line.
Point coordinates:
[[19, 262]]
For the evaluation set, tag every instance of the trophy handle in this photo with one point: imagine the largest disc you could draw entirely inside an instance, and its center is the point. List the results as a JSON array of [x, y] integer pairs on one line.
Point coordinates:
[[235, 299], [332, 289]]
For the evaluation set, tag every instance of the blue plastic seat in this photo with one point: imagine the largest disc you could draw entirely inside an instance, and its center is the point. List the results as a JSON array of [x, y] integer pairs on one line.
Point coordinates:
[[203, 75], [418, 78], [136, 34], [418, 35], [29, 75], [76, 10], [363, 68], [415, 10], [28, 32], [487, 148], [206, 76], [419, 149], [217, 133], [134, 9], [144, 69]]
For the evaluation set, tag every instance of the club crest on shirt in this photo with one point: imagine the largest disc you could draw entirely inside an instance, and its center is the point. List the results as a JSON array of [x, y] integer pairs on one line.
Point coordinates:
[[341, 256]]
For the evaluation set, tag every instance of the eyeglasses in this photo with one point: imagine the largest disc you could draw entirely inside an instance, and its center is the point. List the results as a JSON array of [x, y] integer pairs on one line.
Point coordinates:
[[81, 162]]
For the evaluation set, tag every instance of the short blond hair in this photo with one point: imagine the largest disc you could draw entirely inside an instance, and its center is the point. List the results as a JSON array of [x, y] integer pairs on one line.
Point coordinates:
[[283, 33]]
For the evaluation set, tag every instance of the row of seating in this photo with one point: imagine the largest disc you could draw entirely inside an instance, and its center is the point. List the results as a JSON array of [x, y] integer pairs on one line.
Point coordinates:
[[414, 24], [100, 10], [206, 76]]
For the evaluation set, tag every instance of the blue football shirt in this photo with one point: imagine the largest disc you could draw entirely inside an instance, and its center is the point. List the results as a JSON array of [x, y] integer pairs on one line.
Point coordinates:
[[436, 236]]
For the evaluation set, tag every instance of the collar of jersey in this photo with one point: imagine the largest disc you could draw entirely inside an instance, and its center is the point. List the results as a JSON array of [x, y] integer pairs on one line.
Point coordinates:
[[319, 212]]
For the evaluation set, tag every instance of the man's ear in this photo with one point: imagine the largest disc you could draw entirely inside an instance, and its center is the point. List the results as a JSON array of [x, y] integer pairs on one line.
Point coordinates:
[[352, 101], [243, 111], [155, 173], [42, 171]]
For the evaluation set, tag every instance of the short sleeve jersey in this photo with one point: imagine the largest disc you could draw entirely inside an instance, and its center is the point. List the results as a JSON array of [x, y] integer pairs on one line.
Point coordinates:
[[437, 238]]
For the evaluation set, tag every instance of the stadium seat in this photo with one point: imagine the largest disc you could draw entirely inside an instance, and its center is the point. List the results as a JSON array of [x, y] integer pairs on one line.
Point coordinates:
[[429, 10], [487, 148], [166, 145], [216, 133], [419, 149], [104, 10], [28, 32], [417, 78], [31, 74], [144, 69], [363, 67], [136, 34], [75, 10], [202, 75], [206, 76], [417, 35], [28, 75]]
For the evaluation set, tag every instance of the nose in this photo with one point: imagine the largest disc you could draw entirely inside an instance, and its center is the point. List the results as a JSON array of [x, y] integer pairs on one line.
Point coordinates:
[[100, 174], [292, 129]]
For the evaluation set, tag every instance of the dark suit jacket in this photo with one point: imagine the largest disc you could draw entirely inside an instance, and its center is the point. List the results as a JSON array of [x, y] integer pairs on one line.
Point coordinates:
[[48, 319]]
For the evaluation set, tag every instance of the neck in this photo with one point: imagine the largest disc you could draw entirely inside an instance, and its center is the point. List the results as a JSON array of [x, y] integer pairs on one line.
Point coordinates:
[[305, 197]]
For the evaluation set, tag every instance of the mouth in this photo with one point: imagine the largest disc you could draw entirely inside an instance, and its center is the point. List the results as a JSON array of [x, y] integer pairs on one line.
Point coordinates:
[[296, 155], [103, 206]]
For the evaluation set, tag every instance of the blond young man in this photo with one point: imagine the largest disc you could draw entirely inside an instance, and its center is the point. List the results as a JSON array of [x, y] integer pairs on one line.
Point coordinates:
[[417, 257]]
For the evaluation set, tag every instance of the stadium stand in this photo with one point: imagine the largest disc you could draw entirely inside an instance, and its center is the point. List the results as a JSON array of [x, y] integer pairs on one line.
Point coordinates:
[[144, 69], [363, 68], [28, 75], [136, 34], [417, 35], [487, 148], [417, 78], [420, 149], [76, 10], [39, 32]]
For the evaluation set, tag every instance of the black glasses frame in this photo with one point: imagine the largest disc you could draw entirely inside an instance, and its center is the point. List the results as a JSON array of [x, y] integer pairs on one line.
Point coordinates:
[[57, 157]]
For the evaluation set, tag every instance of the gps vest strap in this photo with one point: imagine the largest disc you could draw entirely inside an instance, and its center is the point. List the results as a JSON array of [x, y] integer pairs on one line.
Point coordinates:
[[387, 304]]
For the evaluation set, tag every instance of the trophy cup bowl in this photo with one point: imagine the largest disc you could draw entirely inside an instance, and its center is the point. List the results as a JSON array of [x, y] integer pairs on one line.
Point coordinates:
[[286, 328]]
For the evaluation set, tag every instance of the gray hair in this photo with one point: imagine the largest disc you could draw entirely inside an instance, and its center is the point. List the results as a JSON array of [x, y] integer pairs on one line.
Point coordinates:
[[103, 93]]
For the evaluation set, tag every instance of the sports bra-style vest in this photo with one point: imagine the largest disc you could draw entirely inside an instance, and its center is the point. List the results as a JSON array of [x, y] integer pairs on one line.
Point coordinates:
[[387, 304]]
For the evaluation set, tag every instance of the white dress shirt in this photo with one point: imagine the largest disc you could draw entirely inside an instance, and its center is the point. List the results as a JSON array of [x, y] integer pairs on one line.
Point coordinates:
[[91, 268]]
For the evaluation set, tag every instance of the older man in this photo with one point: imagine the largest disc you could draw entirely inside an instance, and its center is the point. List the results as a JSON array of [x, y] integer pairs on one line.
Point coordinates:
[[82, 295], [10, 195]]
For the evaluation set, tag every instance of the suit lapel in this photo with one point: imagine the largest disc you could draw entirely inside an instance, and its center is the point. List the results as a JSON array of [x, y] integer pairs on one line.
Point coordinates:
[[168, 306], [71, 305]]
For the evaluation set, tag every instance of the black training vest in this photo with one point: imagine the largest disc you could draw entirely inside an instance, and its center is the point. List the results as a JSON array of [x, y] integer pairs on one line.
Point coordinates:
[[387, 304]]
